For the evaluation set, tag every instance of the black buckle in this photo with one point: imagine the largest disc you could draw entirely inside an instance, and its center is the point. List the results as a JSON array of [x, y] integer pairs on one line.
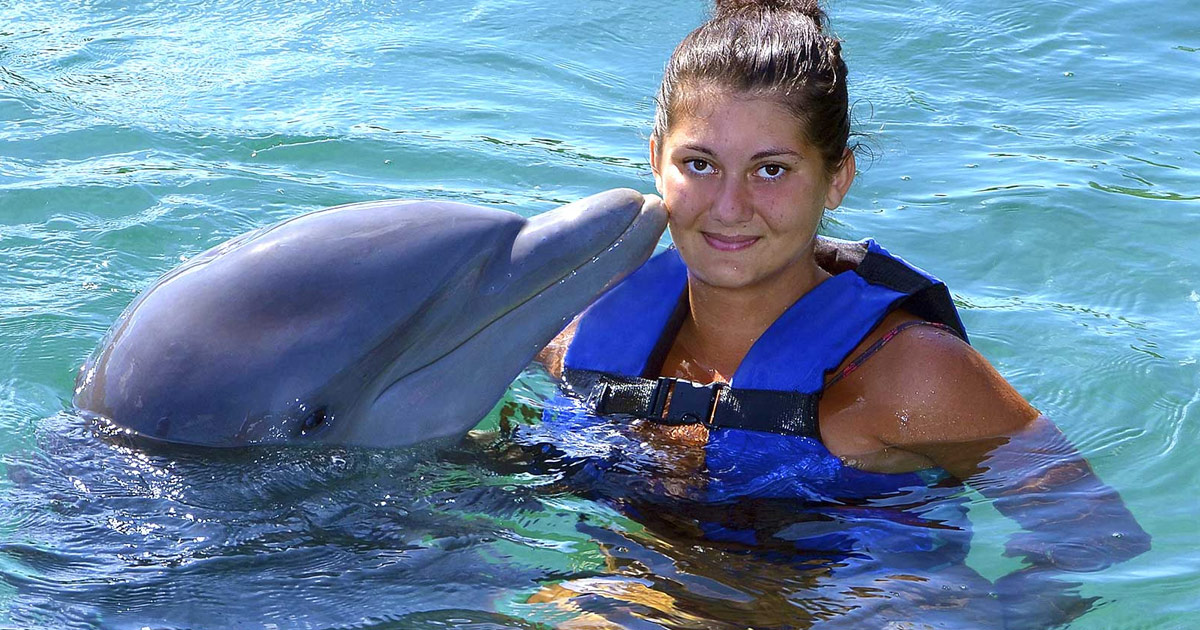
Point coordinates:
[[676, 401]]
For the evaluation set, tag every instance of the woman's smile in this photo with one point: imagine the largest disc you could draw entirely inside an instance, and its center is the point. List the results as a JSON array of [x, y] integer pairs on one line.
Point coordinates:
[[728, 242]]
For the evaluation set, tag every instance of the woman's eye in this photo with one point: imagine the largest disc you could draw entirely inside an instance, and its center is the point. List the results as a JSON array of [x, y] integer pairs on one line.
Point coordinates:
[[771, 171], [698, 166]]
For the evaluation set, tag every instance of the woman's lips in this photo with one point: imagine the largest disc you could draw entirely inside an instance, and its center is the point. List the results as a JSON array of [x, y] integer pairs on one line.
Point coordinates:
[[729, 243]]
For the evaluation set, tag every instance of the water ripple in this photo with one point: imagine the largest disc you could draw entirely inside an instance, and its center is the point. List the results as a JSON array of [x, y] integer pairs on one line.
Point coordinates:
[[1025, 153]]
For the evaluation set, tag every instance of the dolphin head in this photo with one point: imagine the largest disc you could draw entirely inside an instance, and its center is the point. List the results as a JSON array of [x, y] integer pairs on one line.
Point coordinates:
[[380, 324]]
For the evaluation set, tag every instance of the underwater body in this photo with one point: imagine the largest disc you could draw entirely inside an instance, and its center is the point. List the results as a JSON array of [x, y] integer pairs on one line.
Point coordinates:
[[1040, 158]]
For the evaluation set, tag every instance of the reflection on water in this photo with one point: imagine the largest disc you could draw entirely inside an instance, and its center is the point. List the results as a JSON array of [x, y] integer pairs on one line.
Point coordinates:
[[588, 528]]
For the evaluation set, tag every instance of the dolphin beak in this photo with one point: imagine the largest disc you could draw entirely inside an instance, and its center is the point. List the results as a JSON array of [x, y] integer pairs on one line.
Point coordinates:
[[558, 263], [552, 244]]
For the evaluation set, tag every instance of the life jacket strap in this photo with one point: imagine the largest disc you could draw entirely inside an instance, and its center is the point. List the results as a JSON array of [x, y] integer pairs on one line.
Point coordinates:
[[674, 401]]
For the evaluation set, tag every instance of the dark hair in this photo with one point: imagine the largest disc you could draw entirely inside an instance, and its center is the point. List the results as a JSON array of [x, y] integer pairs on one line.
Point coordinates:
[[772, 48]]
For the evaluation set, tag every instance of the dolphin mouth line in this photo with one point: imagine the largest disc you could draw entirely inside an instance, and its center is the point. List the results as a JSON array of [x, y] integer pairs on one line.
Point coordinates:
[[633, 223]]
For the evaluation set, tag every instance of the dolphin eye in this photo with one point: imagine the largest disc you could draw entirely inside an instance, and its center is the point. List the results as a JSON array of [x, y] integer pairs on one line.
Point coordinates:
[[314, 420]]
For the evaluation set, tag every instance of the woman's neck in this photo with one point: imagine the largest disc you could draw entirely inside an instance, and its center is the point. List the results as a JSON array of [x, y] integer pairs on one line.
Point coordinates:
[[723, 323]]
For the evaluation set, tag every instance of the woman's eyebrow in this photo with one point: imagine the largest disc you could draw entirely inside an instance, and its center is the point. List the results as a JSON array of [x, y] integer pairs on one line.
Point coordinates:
[[766, 153], [698, 148]]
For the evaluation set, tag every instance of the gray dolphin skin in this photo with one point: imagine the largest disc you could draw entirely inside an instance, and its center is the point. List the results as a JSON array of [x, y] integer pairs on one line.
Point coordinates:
[[374, 324]]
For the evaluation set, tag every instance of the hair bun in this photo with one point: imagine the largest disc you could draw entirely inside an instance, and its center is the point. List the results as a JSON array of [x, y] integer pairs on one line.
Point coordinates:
[[810, 8]]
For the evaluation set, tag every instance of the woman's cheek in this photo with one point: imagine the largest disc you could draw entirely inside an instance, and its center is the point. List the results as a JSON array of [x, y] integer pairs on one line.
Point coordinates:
[[681, 200]]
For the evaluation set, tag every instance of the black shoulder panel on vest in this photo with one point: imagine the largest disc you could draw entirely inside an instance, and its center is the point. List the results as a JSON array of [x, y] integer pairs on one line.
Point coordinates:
[[927, 299]]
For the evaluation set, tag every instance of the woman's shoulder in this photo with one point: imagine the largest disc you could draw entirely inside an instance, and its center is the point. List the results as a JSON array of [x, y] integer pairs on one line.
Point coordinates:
[[924, 388]]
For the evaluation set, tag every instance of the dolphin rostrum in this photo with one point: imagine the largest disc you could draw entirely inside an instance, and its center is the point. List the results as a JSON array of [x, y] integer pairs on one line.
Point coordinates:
[[379, 324]]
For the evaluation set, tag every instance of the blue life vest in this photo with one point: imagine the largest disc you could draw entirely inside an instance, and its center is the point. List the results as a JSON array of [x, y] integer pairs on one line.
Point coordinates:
[[623, 339]]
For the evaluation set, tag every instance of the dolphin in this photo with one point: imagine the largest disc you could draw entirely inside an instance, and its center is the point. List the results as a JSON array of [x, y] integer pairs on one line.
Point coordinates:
[[379, 324]]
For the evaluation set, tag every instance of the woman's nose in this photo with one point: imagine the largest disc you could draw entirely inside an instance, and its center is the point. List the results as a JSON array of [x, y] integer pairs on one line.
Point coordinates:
[[732, 205]]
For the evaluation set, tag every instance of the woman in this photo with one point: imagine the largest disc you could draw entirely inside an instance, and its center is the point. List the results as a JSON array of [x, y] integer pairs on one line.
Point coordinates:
[[757, 328]]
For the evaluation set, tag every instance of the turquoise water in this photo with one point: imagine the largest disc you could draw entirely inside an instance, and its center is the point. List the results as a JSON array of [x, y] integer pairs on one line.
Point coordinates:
[[1041, 157]]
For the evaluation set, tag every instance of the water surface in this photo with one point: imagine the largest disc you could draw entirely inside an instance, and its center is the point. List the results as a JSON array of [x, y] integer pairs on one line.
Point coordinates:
[[1041, 157]]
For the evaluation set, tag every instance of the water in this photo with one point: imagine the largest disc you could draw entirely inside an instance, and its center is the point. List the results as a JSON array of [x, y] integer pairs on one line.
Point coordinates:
[[1042, 157]]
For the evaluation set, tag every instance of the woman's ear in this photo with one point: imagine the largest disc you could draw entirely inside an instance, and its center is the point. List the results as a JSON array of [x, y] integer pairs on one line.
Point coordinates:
[[839, 184], [655, 167]]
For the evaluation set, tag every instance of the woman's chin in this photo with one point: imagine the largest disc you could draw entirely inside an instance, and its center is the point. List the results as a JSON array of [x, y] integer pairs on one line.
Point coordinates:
[[722, 277], [716, 269]]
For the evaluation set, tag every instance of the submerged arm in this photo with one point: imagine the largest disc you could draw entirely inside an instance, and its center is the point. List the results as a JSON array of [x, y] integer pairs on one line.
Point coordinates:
[[1072, 521], [963, 416]]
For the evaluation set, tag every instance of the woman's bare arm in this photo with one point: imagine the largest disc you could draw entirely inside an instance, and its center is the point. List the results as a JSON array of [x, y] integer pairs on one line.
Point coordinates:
[[940, 399], [551, 357]]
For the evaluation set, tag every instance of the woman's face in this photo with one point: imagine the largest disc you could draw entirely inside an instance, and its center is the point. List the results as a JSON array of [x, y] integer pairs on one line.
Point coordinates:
[[744, 191]]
